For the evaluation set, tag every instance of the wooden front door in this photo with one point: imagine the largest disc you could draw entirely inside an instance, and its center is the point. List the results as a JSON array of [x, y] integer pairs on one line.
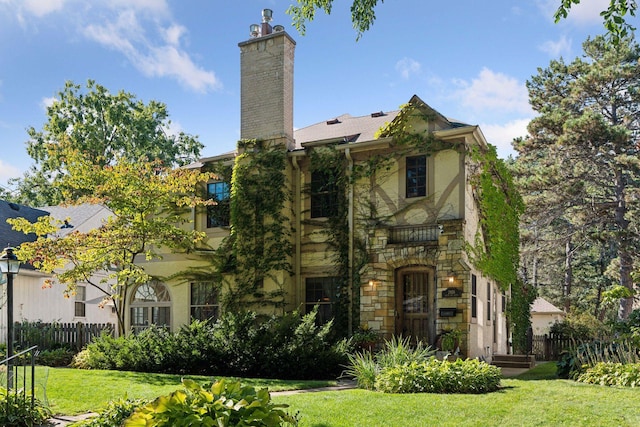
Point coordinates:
[[414, 304]]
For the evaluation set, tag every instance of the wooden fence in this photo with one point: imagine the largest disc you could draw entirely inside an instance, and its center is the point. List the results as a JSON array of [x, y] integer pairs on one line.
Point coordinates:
[[52, 335], [550, 346]]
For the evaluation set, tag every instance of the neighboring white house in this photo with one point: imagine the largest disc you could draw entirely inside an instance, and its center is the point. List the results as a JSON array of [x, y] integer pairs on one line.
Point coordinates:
[[544, 315], [33, 300]]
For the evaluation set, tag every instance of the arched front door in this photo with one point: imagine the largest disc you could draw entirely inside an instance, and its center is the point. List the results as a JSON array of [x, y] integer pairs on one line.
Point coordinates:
[[151, 305], [415, 304]]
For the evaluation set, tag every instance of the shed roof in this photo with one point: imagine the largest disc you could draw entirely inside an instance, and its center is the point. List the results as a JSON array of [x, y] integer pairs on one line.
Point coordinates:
[[541, 305]]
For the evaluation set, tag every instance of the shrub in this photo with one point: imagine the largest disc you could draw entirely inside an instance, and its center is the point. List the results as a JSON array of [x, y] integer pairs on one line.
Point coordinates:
[[239, 344], [114, 414], [58, 357], [612, 374], [364, 367], [580, 326], [439, 376], [16, 410], [222, 404], [575, 361]]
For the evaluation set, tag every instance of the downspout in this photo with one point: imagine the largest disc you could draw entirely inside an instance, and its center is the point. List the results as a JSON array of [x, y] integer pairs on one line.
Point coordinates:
[[347, 154], [298, 221]]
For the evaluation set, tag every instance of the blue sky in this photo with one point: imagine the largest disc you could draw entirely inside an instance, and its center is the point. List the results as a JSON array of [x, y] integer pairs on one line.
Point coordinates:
[[468, 59]]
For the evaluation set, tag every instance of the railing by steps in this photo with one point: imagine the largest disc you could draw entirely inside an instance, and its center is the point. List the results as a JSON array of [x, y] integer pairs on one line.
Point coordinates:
[[13, 369]]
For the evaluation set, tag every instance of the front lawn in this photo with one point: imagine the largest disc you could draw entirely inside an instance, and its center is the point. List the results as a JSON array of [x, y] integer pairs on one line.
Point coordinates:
[[531, 399], [534, 398], [74, 391]]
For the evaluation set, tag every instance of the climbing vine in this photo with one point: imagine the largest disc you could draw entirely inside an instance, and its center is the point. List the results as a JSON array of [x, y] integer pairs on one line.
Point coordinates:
[[259, 245], [496, 250], [336, 227]]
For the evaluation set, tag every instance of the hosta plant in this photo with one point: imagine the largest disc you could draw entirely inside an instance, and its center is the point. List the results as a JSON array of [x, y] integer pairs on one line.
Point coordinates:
[[612, 374], [224, 403], [17, 410]]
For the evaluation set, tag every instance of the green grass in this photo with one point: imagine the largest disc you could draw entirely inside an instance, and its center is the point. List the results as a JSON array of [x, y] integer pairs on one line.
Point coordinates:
[[74, 391], [535, 398]]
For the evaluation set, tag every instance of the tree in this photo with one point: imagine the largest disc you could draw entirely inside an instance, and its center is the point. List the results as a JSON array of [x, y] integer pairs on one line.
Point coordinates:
[[104, 127], [363, 14], [148, 201], [582, 156], [613, 17]]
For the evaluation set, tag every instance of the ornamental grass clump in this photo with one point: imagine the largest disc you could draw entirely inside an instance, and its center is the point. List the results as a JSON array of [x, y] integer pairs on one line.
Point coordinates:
[[365, 366]]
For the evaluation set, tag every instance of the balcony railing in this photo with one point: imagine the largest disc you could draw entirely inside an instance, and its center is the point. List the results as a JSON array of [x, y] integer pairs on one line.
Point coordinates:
[[414, 233]]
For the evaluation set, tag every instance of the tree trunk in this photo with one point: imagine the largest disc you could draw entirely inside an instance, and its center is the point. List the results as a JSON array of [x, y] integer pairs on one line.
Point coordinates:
[[624, 246], [568, 275]]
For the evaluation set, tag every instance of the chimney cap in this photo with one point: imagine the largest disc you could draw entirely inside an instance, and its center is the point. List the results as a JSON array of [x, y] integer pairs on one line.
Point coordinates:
[[267, 15], [254, 30]]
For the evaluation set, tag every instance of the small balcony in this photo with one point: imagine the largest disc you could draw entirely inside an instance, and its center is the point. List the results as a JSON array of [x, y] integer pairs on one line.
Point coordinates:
[[414, 234]]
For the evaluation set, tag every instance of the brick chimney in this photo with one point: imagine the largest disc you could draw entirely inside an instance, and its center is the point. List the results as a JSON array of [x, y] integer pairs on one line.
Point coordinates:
[[266, 87]]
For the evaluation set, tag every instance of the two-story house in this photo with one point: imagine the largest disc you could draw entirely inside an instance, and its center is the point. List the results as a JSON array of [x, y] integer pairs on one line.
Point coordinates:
[[370, 218]]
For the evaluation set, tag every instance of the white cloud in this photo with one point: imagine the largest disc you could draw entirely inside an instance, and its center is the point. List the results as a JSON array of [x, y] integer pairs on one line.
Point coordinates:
[[407, 66], [127, 35], [41, 8], [587, 12], [501, 135], [493, 91], [47, 102], [8, 171], [142, 30], [555, 49], [173, 34]]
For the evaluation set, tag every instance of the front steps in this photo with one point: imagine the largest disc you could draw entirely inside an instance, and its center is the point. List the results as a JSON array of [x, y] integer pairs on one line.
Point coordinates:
[[514, 361]]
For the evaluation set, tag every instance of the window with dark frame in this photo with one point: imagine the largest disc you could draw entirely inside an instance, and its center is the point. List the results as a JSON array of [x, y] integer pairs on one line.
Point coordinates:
[[416, 176], [204, 301], [488, 301], [80, 309], [474, 296], [218, 214], [324, 194], [321, 291]]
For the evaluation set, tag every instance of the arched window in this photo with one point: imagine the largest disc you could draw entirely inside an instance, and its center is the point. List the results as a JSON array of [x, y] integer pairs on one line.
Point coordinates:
[[150, 305]]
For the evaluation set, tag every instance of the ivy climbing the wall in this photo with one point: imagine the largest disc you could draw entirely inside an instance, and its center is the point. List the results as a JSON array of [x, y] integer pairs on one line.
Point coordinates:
[[496, 250], [333, 166], [259, 246]]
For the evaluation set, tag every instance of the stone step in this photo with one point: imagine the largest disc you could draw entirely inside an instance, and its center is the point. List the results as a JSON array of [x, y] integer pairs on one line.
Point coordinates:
[[513, 361]]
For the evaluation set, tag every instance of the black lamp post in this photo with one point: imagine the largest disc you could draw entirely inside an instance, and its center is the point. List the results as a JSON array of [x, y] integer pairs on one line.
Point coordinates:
[[10, 266]]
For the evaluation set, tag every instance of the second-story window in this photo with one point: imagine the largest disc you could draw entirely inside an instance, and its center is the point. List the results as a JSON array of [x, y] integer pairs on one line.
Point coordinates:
[[218, 215], [416, 179], [324, 194]]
